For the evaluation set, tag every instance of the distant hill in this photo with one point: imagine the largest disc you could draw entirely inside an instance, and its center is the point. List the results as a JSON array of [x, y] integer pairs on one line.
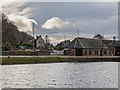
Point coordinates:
[[11, 35]]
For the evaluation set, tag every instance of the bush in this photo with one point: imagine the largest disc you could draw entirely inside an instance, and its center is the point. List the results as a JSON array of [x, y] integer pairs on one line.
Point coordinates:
[[6, 47]]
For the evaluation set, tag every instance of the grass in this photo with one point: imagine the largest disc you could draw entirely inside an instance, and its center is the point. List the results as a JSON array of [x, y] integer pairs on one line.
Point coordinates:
[[57, 59], [30, 60]]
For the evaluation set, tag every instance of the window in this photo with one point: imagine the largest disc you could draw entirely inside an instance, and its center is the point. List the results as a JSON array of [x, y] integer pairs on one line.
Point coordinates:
[[90, 51], [96, 52], [105, 52], [85, 51]]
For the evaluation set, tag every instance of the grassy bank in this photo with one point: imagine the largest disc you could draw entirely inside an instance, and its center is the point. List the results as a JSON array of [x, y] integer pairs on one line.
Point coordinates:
[[56, 59], [31, 60]]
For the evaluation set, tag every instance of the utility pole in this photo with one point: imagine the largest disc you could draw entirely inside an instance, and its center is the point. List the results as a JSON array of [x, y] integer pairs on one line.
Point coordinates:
[[33, 37]]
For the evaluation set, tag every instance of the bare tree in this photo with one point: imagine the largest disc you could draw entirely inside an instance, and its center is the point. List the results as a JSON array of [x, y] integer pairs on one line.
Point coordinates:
[[99, 36]]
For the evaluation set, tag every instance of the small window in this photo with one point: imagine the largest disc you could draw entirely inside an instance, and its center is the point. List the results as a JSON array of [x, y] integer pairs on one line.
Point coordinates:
[[85, 51], [90, 51], [105, 52], [96, 52]]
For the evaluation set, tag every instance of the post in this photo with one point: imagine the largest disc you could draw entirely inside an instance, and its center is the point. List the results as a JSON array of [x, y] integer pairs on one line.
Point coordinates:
[[33, 37], [83, 52], [93, 52], [114, 40], [88, 52]]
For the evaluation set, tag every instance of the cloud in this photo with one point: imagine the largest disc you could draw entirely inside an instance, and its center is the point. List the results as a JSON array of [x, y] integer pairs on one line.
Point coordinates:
[[55, 22], [26, 12], [18, 13], [97, 25], [23, 23], [33, 21]]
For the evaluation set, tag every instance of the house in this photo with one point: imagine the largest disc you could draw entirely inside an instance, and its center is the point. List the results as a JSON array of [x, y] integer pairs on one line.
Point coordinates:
[[114, 46], [43, 43], [39, 42], [86, 47], [60, 46]]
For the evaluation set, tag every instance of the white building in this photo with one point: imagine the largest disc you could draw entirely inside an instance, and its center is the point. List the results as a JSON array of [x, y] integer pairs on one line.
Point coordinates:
[[39, 42]]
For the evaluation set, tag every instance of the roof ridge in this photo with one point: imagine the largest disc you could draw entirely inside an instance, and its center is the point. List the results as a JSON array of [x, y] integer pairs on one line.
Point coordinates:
[[113, 42], [80, 43], [75, 43]]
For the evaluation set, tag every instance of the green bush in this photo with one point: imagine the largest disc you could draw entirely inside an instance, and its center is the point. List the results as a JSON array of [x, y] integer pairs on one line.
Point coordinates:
[[6, 47]]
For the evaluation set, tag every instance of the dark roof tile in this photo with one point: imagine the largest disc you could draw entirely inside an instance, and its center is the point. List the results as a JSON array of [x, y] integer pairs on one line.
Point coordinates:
[[86, 43]]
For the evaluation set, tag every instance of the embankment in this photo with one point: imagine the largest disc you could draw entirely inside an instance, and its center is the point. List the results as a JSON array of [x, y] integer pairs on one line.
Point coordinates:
[[55, 59], [25, 53]]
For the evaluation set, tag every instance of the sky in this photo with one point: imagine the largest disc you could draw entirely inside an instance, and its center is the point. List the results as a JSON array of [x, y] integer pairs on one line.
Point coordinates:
[[62, 20]]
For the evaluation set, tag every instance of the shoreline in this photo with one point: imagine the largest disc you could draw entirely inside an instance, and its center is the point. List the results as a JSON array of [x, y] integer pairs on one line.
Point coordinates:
[[13, 60]]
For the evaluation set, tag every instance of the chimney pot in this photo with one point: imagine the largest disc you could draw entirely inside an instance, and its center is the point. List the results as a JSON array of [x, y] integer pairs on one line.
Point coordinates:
[[114, 38]]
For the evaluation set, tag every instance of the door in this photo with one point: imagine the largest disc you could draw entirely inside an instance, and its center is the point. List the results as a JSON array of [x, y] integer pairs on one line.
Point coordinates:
[[117, 51], [78, 52]]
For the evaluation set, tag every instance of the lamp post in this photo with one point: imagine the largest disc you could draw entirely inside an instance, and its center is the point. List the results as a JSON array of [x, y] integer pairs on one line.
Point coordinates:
[[33, 37], [32, 24]]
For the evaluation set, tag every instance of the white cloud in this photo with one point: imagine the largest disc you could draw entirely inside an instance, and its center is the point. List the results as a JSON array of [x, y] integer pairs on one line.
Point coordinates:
[[19, 15], [55, 40], [4, 2], [26, 12], [23, 23], [55, 22]]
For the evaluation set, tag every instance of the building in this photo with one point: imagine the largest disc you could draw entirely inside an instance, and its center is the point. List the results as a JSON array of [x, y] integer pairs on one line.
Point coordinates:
[[86, 47], [39, 42], [114, 46], [43, 43], [60, 46]]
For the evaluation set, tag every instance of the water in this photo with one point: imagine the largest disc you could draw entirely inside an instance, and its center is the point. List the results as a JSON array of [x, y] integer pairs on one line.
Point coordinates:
[[61, 75]]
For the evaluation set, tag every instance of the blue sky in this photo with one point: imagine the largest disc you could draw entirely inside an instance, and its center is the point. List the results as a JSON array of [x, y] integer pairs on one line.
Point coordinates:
[[61, 20]]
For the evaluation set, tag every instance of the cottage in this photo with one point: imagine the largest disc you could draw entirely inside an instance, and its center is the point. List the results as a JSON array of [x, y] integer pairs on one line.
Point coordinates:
[[86, 47], [39, 42]]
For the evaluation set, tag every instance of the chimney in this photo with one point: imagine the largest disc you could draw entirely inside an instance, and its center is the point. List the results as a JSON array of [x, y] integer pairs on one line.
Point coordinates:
[[37, 37], [114, 38]]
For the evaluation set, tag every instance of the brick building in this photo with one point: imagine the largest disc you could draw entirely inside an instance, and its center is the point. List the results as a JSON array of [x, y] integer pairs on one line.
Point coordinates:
[[92, 47]]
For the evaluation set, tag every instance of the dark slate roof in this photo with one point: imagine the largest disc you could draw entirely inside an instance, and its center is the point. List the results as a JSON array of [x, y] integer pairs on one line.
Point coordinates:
[[107, 41], [86, 43], [119, 43], [74, 44], [112, 42]]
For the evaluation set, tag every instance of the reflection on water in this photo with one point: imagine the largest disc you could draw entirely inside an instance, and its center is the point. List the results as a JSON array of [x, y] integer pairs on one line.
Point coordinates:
[[0, 76], [65, 75]]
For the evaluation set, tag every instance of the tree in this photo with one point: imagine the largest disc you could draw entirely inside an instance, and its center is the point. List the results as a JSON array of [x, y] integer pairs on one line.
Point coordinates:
[[60, 48], [6, 47], [26, 45], [11, 34], [98, 36]]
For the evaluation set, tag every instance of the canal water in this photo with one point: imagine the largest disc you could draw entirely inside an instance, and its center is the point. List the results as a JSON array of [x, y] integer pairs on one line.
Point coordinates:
[[61, 75]]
